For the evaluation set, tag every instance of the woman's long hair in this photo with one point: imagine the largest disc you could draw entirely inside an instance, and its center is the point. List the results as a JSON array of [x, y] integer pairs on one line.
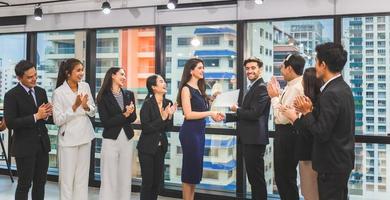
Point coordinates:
[[107, 82], [311, 84], [186, 76], [150, 82], [66, 68]]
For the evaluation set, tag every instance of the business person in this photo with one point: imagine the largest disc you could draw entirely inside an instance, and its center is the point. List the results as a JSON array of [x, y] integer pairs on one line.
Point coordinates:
[[332, 123], [117, 111], [285, 161], [25, 110], [194, 101], [304, 141], [156, 119], [72, 106], [251, 115]]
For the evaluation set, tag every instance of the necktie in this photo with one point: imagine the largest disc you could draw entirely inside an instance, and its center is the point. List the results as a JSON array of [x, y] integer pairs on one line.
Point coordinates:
[[30, 92]]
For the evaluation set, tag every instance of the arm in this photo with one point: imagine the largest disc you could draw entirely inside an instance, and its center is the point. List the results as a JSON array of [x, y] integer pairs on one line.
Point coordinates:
[[186, 104], [11, 117], [62, 115], [91, 103], [148, 125], [107, 120], [323, 126], [261, 97]]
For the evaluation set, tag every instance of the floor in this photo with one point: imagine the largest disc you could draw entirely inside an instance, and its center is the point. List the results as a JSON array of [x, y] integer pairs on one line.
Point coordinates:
[[7, 190]]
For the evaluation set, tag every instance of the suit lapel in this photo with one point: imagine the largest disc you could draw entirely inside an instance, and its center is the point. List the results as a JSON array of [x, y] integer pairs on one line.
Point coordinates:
[[249, 94], [113, 101], [27, 96]]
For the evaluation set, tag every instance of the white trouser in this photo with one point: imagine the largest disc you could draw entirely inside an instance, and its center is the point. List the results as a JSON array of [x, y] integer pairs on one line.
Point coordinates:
[[309, 186], [115, 168], [74, 171]]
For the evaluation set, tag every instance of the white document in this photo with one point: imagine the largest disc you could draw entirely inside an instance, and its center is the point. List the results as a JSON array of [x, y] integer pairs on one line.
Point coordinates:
[[226, 99]]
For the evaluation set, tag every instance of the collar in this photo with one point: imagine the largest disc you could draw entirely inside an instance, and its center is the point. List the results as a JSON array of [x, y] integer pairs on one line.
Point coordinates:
[[253, 82], [26, 88], [295, 81], [324, 86]]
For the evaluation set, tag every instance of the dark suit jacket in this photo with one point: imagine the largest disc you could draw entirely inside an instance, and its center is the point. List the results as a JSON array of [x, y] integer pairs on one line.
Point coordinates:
[[332, 125], [112, 117], [19, 110], [153, 127], [252, 115]]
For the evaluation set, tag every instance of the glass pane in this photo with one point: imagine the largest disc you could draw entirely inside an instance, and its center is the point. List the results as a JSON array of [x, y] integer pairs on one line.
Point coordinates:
[[367, 41], [132, 49], [272, 42], [216, 46], [12, 50], [52, 49]]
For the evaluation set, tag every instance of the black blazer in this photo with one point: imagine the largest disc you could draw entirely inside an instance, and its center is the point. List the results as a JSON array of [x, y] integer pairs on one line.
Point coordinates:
[[153, 127], [19, 110], [252, 115], [332, 125], [112, 117]]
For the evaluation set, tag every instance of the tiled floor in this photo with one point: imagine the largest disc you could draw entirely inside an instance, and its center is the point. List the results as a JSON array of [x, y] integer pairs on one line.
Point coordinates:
[[7, 190]]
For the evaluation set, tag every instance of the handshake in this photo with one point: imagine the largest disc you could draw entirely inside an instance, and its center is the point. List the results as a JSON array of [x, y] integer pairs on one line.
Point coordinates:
[[217, 116]]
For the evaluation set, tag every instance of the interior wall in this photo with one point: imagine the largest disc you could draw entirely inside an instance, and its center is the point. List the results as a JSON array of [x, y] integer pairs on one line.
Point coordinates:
[[144, 12]]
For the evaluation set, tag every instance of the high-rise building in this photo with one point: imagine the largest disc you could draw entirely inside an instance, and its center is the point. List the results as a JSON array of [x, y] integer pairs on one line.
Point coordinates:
[[368, 45]]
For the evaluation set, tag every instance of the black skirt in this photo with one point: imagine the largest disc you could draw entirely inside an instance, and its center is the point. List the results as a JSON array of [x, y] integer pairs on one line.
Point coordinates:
[[304, 146]]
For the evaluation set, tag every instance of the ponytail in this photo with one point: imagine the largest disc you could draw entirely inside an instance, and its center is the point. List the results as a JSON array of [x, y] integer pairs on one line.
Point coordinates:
[[66, 68]]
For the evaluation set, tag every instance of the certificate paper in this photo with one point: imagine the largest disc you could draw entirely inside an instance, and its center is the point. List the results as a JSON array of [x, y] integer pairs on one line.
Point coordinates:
[[226, 99]]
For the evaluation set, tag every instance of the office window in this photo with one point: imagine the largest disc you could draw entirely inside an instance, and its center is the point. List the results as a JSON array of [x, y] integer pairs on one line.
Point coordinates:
[[219, 57], [132, 49], [281, 38]]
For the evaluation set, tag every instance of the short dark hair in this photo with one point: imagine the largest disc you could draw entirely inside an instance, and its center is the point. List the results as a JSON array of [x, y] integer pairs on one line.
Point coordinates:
[[333, 54], [296, 61], [23, 66], [254, 59]]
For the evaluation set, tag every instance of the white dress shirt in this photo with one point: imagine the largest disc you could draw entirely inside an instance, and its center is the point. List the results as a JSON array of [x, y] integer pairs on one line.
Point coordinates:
[[327, 82], [293, 89], [75, 127]]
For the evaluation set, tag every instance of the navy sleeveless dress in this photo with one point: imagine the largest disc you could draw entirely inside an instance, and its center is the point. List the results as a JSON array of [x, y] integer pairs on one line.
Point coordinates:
[[192, 140]]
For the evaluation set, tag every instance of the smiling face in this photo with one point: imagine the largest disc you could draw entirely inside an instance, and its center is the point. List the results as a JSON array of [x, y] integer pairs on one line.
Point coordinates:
[[198, 71], [29, 78], [252, 70], [77, 74], [160, 87], [119, 78]]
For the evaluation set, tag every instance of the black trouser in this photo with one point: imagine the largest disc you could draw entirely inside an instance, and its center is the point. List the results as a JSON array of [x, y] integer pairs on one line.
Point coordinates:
[[32, 169], [285, 163], [333, 186], [152, 172], [254, 163]]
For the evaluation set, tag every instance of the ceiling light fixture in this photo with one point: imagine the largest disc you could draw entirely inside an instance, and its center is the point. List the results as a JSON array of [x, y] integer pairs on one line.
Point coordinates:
[[38, 12], [106, 8], [259, 2], [172, 4]]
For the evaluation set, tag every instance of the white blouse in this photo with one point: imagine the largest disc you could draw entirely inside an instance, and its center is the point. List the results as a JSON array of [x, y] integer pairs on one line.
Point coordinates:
[[75, 127]]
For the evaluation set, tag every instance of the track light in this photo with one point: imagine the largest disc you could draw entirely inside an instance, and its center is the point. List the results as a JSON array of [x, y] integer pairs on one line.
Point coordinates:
[[38, 13], [106, 7], [259, 2], [172, 4]]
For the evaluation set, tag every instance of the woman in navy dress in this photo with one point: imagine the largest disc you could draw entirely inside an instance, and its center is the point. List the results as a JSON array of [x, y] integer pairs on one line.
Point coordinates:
[[193, 99]]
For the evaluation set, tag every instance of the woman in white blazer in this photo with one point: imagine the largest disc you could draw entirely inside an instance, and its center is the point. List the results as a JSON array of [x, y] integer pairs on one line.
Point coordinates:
[[73, 105]]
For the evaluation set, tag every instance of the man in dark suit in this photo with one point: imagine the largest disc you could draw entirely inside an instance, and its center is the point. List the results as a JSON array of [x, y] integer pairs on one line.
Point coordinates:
[[252, 126], [332, 124], [25, 109]]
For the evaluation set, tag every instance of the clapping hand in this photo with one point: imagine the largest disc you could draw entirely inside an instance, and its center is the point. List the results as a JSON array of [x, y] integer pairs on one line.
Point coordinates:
[[234, 108], [129, 109], [77, 102], [44, 111], [303, 104], [84, 102], [273, 88], [289, 112]]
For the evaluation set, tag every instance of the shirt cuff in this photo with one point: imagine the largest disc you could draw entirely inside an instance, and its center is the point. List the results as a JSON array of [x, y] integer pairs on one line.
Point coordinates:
[[35, 118]]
